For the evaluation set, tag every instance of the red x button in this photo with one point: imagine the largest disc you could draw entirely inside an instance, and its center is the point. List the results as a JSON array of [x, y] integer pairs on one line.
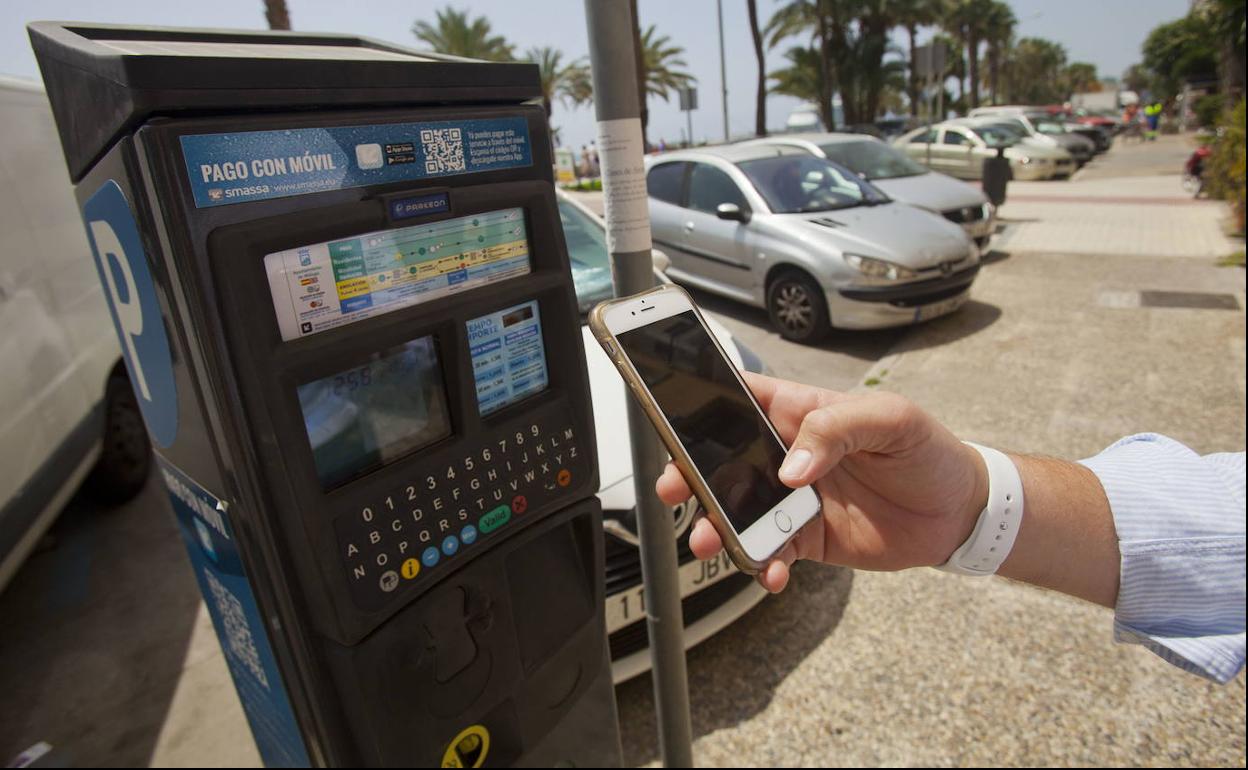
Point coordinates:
[[519, 504]]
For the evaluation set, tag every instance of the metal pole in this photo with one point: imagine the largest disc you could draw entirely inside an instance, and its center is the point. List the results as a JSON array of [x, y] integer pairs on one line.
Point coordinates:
[[723, 72], [689, 122], [617, 109]]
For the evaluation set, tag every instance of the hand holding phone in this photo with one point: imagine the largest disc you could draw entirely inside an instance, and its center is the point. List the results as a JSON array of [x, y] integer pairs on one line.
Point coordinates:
[[898, 489], [708, 419]]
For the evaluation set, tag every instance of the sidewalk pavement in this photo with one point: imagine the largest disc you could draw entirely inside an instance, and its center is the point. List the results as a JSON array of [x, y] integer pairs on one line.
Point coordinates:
[[1140, 216]]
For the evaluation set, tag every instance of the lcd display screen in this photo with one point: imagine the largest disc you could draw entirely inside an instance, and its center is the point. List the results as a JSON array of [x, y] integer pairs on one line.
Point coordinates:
[[729, 441], [367, 416], [508, 357], [327, 285]]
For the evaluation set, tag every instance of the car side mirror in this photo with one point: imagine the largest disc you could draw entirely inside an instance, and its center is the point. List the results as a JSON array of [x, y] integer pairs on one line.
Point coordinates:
[[733, 212]]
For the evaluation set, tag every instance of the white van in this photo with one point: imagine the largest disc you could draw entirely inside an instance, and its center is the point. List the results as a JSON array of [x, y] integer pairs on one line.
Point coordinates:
[[69, 413]]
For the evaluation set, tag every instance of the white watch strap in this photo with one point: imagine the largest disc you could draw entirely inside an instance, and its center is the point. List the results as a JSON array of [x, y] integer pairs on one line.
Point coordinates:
[[998, 525]]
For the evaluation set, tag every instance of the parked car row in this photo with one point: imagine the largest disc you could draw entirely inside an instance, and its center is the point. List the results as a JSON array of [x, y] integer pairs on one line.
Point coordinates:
[[797, 224]]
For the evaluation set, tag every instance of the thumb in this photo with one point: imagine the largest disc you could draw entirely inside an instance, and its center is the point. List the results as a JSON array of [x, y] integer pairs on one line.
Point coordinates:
[[874, 423]]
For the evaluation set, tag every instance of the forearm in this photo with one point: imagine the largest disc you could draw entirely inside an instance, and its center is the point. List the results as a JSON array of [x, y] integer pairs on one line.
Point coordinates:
[[1067, 541]]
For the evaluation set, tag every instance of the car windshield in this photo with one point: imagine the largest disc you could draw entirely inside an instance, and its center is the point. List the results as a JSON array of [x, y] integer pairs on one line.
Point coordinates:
[[587, 248], [872, 160], [798, 183], [998, 134]]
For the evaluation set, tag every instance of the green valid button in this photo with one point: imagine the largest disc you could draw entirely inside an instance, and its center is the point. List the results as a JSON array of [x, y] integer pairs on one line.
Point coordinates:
[[494, 519]]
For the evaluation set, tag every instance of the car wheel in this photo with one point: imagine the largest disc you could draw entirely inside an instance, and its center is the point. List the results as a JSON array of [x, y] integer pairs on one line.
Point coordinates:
[[125, 453], [797, 308]]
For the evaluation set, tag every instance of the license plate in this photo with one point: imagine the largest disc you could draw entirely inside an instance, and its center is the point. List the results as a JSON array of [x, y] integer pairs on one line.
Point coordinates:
[[939, 308], [629, 606]]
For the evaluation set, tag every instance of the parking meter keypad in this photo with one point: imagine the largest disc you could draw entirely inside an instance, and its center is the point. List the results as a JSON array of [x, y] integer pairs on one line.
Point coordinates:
[[414, 530]]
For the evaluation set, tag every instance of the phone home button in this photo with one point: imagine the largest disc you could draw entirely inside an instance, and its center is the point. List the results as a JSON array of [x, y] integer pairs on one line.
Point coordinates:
[[783, 522]]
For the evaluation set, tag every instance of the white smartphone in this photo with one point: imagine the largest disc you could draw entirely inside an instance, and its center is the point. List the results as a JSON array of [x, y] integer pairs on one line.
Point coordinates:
[[709, 420]]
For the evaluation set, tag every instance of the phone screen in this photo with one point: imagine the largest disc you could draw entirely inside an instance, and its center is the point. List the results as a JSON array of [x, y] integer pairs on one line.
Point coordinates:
[[730, 442]]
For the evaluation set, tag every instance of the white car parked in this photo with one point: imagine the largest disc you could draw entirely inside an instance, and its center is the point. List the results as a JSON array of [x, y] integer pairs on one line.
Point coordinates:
[[714, 593], [70, 413]]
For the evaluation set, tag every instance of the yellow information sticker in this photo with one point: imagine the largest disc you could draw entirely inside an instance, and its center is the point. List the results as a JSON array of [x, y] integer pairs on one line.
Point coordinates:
[[469, 748]]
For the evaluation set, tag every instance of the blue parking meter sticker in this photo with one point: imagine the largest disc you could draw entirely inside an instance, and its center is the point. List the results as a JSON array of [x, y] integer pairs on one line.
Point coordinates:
[[131, 294], [257, 165], [205, 526]]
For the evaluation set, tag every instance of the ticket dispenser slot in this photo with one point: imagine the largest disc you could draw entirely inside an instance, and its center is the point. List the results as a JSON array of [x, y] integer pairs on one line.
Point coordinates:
[[381, 393]]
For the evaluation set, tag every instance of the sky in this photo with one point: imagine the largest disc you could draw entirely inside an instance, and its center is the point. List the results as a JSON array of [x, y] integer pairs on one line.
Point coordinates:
[[1107, 33]]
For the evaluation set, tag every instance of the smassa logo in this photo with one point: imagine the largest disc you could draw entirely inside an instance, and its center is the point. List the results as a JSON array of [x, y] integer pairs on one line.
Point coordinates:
[[131, 294]]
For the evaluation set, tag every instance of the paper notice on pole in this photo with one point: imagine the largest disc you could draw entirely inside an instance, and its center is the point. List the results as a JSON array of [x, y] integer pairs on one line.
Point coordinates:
[[621, 151]]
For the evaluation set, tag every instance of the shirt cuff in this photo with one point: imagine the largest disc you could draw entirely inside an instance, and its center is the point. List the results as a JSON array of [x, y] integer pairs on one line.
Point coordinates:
[[1180, 524]]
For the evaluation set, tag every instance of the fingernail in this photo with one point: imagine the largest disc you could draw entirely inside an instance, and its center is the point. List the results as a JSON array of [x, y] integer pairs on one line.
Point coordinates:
[[795, 464]]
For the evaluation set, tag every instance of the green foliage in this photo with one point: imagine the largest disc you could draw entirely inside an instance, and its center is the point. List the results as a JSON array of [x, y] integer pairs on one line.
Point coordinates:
[[1079, 78], [1034, 72], [1208, 109], [455, 34], [1224, 170], [801, 77], [569, 84], [1178, 50], [660, 59]]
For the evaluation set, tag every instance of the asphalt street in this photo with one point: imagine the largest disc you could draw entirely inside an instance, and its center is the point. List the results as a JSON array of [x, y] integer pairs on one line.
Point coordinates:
[[107, 652]]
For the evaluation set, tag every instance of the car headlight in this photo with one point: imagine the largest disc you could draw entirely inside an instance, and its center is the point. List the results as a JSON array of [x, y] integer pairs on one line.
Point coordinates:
[[987, 210], [1022, 160], [878, 268]]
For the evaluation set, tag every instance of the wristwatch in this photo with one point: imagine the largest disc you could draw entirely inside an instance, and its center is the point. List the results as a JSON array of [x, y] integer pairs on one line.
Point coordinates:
[[993, 537]]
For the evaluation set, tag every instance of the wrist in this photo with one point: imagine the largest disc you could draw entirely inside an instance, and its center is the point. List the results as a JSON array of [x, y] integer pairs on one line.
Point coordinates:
[[976, 501], [997, 524]]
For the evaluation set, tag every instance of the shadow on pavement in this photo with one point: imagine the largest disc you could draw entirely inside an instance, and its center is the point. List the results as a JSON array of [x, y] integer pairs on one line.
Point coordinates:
[[733, 674], [971, 318], [993, 256], [96, 629], [867, 345]]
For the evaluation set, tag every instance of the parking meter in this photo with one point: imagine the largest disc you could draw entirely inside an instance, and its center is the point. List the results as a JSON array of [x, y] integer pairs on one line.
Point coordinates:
[[341, 287], [996, 176]]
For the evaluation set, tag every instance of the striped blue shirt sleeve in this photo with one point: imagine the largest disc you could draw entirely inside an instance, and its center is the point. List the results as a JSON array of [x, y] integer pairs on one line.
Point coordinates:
[[1180, 523]]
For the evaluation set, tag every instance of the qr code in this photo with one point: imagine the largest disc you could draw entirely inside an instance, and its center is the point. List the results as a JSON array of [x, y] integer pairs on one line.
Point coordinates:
[[237, 633], [444, 150]]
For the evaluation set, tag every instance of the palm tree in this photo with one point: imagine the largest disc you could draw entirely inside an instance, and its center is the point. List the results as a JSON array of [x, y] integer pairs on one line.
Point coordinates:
[[760, 99], [276, 14], [998, 33], [552, 75], [455, 34], [966, 20], [802, 78], [660, 60], [824, 24], [913, 14]]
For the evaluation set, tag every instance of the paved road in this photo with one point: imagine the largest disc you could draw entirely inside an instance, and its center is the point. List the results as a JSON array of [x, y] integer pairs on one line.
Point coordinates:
[[107, 651]]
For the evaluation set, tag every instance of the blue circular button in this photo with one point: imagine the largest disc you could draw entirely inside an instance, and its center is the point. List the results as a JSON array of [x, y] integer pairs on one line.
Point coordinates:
[[430, 556], [468, 535], [450, 545]]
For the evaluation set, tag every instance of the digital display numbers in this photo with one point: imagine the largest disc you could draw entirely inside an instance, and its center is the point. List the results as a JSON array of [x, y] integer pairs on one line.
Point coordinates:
[[364, 417]]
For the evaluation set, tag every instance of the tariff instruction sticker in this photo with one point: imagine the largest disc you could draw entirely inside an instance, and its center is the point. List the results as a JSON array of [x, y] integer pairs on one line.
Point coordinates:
[[508, 357], [327, 285]]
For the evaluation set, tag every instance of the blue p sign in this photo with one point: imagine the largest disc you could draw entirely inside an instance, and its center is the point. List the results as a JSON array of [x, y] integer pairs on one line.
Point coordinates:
[[131, 294]]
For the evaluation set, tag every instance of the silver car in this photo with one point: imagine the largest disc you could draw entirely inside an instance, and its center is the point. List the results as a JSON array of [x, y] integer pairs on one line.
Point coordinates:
[[805, 238], [959, 149], [902, 179]]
